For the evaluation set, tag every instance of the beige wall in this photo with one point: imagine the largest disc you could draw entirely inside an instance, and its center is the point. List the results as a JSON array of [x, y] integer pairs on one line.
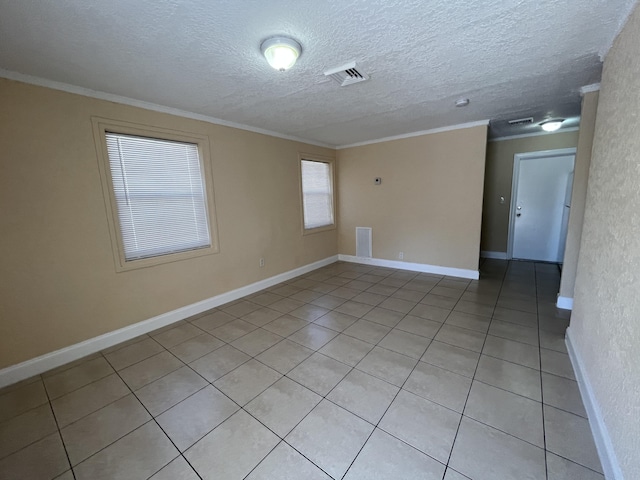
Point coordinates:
[[429, 203], [579, 193], [498, 179], [605, 323], [59, 285]]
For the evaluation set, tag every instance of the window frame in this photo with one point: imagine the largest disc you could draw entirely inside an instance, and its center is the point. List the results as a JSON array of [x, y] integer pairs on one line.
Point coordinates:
[[102, 126], [311, 157]]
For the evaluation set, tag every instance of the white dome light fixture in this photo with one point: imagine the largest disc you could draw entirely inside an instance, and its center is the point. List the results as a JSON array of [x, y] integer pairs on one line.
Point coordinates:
[[552, 125], [281, 52]]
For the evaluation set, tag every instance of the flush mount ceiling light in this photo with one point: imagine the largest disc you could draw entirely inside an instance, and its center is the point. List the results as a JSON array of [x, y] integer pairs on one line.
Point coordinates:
[[462, 102], [552, 125], [281, 52]]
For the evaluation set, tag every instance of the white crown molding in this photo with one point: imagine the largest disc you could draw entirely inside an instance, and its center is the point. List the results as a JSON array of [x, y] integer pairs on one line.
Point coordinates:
[[534, 134], [110, 97], [415, 267], [38, 365], [604, 446], [460, 126], [594, 87]]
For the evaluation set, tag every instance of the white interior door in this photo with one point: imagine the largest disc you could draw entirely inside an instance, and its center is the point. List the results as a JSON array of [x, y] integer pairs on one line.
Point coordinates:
[[540, 190]]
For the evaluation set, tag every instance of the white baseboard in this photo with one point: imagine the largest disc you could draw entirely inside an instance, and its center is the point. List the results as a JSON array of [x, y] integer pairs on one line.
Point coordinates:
[[607, 454], [41, 364], [565, 303], [417, 267], [496, 255]]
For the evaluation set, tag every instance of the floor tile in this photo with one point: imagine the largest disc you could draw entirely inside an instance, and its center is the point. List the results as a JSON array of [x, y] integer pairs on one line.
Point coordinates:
[[285, 325], [346, 349], [77, 377], [262, 316], [559, 468], [99, 429], [140, 374], [438, 385], [469, 321], [388, 318], [509, 376], [512, 351], [451, 474], [336, 321], [233, 330], [387, 365], [447, 292], [515, 332], [308, 312], [367, 331], [513, 414], [330, 437], [194, 417], [28, 427], [419, 326], [177, 469], [449, 357], [281, 406], [165, 392], [364, 395], [355, 309], [484, 453], [398, 305], [219, 362], [286, 305], [461, 337], [196, 347], [516, 316], [239, 309], [135, 353], [439, 301], [256, 342], [381, 289], [213, 320], [437, 314], [247, 381], [44, 459], [409, 295], [423, 424], [553, 341], [226, 453], [386, 457], [265, 298], [88, 399], [328, 301], [518, 304], [406, 343], [562, 393], [284, 463], [319, 373], [474, 308], [306, 296], [74, 363], [171, 338], [284, 356], [139, 454], [313, 336], [556, 363], [569, 436]]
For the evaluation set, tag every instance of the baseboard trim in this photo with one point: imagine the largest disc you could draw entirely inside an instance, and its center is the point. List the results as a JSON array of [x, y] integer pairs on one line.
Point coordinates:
[[417, 267], [608, 459], [496, 255], [41, 364], [565, 303]]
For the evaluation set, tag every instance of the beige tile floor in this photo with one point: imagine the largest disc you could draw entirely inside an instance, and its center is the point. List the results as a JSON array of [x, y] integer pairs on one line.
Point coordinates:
[[350, 372]]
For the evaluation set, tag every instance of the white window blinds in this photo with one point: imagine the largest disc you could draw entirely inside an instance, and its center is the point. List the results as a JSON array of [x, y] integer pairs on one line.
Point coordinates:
[[160, 195], [317, 194]]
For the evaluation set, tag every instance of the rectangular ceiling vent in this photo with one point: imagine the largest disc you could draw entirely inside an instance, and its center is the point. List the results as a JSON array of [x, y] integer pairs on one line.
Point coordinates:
[[347, 74], [521, 121]]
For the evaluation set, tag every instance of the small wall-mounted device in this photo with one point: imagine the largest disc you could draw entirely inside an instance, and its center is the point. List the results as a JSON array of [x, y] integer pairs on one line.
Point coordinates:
[[377, 181]]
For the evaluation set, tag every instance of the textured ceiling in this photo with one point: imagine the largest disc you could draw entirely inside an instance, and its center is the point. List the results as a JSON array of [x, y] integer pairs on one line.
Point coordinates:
[[512, 58]]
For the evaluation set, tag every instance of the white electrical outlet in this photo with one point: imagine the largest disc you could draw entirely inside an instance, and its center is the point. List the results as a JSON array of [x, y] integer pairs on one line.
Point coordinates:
[[262, 262], [401, 255]]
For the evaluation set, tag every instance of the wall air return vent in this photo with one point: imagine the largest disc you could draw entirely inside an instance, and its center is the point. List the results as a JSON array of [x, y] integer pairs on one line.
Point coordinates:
[[521, 121], [363, 242], [347, 74]]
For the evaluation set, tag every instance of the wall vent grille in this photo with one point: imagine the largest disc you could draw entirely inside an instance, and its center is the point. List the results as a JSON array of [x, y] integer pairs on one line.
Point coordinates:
[[347, 74], [363, 242], [521, 121]]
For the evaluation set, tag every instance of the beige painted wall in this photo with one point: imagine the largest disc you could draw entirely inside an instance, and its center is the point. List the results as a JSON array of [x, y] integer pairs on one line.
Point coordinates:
[[579, 193], [498, 179], [605, 323], [59, 285], [429, 203]]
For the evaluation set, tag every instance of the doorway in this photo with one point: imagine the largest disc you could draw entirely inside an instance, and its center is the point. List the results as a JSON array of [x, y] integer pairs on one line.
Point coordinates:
[[540, 204]]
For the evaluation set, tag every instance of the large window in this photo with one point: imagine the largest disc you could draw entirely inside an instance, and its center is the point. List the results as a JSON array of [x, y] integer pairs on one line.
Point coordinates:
[[159, 202], [317, 194]]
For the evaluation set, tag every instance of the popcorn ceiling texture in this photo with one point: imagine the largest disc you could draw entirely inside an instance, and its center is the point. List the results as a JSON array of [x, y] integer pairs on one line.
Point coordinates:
[[606, 319], [511, 57]]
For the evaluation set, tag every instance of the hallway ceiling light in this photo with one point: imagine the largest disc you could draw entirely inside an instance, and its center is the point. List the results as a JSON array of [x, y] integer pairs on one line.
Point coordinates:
[[281, 52], [552, 125]]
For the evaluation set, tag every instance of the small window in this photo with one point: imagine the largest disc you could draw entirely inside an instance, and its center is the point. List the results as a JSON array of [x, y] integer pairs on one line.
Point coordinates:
[[158, 196], [317, 194]]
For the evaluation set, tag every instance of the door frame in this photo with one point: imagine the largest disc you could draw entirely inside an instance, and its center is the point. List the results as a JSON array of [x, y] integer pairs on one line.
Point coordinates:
[[514, 184]]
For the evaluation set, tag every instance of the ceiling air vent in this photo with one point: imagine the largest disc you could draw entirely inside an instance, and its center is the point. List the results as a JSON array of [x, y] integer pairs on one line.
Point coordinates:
[[521, 121], [347, 74]]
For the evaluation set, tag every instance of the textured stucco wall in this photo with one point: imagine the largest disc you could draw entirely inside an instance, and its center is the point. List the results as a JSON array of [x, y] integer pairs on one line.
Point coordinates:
[[605, 325], [579, 193]]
